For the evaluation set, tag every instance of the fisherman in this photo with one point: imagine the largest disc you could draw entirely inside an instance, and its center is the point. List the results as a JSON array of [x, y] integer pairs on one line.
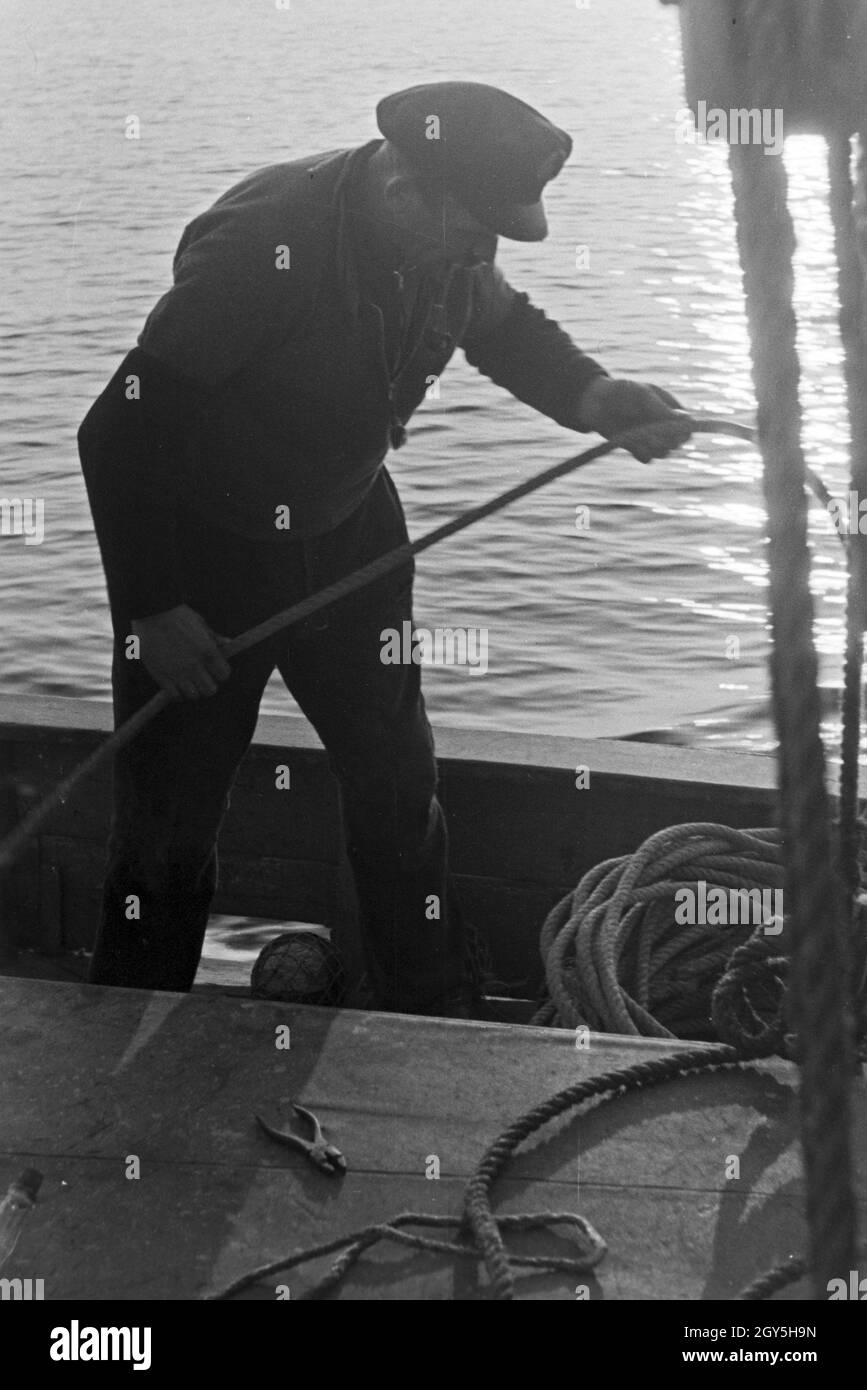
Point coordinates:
[[235, 463]]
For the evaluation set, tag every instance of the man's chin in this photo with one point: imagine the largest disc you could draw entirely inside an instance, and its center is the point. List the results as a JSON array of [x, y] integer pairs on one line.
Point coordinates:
[[426, 265]]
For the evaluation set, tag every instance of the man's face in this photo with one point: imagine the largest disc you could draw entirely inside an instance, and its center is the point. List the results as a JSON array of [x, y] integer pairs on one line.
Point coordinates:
[[437, 231]]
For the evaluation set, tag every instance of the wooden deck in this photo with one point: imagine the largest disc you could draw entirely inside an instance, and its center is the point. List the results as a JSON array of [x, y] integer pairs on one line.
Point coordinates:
[[91, 1076]]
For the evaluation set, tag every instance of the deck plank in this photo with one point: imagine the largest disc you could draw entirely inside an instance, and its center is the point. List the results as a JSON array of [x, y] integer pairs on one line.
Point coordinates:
[[94, 1075]]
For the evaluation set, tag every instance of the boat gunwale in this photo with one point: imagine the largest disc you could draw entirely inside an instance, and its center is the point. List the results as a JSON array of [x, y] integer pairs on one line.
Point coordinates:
[[629, 759]]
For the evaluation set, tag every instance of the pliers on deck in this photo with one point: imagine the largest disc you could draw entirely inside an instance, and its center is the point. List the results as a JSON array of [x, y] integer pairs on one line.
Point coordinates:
[[322, 1155]]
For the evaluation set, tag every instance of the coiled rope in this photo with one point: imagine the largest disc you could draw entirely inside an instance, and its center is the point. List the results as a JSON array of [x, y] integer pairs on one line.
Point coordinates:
[[621, 954]]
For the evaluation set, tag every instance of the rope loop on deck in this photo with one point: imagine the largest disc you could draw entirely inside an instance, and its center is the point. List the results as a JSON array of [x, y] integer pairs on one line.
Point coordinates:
[[477, 1205], [486, 1231]]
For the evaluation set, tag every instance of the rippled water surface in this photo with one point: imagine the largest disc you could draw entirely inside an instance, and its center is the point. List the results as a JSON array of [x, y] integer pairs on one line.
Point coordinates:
[[622, 628]]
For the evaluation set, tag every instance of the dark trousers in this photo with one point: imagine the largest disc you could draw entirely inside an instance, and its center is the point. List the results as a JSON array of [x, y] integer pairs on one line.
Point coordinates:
[[172, 782]]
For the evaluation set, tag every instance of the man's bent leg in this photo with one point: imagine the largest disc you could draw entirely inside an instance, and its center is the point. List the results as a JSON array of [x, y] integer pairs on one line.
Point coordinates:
[[371, 718], [171, 790], [397, 846]]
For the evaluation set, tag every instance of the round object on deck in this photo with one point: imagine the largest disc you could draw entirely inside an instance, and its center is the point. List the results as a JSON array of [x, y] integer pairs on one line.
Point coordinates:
[[298, 968]]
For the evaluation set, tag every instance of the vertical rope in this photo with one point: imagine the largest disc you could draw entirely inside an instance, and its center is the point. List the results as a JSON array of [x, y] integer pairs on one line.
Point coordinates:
[[858, 412], [819, 974], [853, 332]]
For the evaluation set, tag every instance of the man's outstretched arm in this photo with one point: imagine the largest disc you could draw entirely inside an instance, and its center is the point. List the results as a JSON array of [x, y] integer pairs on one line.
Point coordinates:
[[514, 343]]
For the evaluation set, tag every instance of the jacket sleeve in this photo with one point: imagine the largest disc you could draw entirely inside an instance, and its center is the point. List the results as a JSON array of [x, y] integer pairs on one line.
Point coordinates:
[[519, 347]]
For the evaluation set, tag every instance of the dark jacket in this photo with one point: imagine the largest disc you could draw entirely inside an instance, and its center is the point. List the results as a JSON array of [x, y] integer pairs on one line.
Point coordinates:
[[268, 382]]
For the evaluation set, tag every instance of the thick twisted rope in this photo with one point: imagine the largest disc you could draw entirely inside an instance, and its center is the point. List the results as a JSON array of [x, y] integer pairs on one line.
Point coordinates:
[[477, 1204], [617, 959], [849, 215], [853, 333], [819, 977], [748, 1003], [773, 1280], [856, 236], [353, 1245]]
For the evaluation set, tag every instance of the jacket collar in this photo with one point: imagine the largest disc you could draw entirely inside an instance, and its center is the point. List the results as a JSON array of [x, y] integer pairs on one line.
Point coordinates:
[[346, 242], [336, 212]]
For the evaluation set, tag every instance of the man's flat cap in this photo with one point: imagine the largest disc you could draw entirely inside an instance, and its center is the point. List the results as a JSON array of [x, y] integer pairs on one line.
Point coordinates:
[[492, 152]]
